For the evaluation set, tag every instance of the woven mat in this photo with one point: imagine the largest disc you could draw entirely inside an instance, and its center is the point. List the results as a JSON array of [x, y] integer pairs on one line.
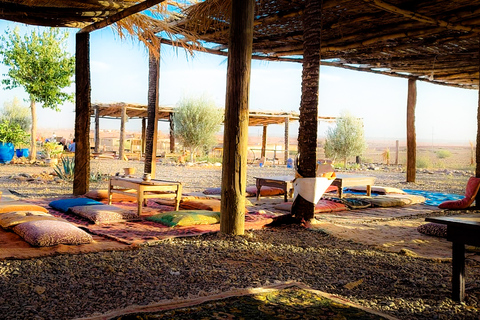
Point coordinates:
[[281, 301], [142, 231]]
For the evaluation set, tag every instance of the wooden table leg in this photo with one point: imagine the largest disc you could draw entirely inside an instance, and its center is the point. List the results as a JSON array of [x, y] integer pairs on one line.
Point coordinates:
[[369, 190], [259, 186], [109, 195], [140, 200], [178, 197], [340, 191], [458, 271]]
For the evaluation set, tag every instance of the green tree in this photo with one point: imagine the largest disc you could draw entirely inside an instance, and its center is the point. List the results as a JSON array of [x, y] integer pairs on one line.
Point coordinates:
[[15, 112], [346, 139], [41, 65], [196, 121]]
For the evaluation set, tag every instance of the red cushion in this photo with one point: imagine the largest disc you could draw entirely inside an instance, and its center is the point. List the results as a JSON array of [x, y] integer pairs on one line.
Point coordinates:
[[473, 185]]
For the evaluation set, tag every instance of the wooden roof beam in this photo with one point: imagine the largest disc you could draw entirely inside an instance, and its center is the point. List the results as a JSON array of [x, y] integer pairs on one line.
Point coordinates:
[[380, 4], [120, 15]]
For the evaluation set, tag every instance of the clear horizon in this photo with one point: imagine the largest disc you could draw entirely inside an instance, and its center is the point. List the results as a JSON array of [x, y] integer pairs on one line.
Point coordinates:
[[119, 73]]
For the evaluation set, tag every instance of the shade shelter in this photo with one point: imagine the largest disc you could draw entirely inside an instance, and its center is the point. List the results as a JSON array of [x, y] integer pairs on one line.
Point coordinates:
[[125, 111], [430, 40]]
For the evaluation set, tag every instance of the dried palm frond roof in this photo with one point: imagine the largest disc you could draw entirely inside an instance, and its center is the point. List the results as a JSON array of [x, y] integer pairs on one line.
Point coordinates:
[[90, 13], [431, 40], [256, 118]]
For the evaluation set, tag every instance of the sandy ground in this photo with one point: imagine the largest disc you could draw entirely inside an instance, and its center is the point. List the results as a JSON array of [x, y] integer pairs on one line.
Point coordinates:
[[398, 283]]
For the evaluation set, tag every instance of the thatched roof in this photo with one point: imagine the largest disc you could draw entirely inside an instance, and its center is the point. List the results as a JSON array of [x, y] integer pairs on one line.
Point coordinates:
[[132, 18], [431, 40], [256, 118]]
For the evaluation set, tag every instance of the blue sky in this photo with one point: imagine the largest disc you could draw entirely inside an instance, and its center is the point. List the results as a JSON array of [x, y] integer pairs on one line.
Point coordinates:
[[119, 73]]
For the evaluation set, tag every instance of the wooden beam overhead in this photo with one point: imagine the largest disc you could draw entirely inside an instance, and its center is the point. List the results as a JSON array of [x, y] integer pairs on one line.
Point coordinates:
[[420, 17], [120, 15]]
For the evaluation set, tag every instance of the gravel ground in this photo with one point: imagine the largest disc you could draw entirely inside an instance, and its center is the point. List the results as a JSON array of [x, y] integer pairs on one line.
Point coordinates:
[[70, 286]]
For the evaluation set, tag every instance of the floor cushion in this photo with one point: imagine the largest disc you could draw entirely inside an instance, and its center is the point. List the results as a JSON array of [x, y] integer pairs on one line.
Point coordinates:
[[322, 206], [11, 219], [101, 195], [377, 189], [251, 191], [45, 233], [104, 213], [64, 204], [264, 191], [395, 200], [186, 218], [433, 229], [12, 206], [211, 191], [207, 204], [473, 185]]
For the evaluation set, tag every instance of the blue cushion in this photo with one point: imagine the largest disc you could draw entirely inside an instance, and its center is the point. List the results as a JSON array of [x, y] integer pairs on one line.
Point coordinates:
[[64, 204]]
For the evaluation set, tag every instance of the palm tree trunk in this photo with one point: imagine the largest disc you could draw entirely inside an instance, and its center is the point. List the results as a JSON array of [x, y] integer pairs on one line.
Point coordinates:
[[303, 210], [152, 117], [33, 131]]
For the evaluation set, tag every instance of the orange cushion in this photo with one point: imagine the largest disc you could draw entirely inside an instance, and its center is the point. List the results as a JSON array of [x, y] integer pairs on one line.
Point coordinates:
[[12, 206], [103, 195]]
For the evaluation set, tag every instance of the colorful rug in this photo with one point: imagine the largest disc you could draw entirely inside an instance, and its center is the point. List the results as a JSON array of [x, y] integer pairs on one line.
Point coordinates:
[[284, 301], [434, 198], [146, 232]]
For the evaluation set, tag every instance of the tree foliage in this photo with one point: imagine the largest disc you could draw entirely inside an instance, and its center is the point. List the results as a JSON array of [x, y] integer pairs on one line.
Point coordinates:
[[196, 121], [346, 139], [39, 63], [15, 112]]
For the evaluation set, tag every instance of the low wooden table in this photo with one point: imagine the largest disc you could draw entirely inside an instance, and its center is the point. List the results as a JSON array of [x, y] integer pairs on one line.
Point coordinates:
[[461, 230], [145, 189], [283, 182], [341, 181], [346, 180]]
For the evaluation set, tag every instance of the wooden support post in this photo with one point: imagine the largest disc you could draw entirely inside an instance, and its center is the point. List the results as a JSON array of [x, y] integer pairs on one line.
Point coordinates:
[[458, 271], [144, 134], [287, 142], [97, 128], [411, 135], [152, 120], [172, 133], [263, 153], [121, 147], [235, 141], [477, 145], [82, 114], [307, 132], [397, 149]]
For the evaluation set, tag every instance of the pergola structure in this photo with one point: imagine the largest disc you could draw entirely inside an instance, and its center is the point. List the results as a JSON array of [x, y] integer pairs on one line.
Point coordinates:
[[124, 111], [435, 41]]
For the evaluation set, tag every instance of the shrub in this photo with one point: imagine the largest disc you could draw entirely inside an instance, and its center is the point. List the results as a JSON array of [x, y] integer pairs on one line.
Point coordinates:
[[423, 163], [442, 154]]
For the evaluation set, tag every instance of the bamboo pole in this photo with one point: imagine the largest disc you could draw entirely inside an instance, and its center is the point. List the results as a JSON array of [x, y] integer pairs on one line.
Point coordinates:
[[411, 135], [82, 114], [235, 141]]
